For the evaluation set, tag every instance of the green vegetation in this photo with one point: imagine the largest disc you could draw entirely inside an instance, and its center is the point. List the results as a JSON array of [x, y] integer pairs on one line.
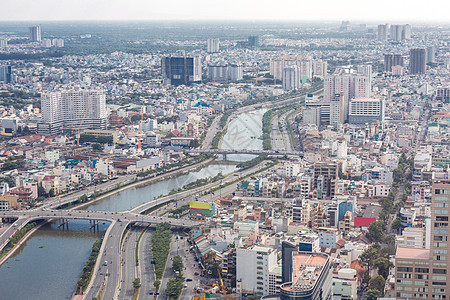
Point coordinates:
[[84, 138], [216, 139], [13, 162], [253, 162], [8, 180], [174, 287], [179, 164], [160, 247], [224, 118], [17, 237], [137, 246], [19, 99], [373, 294], [177, 264], [377, 283], [137, 283], [86, 275]]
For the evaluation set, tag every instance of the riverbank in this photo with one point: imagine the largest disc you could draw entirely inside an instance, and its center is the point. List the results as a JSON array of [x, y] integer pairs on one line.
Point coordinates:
[[143, 182]]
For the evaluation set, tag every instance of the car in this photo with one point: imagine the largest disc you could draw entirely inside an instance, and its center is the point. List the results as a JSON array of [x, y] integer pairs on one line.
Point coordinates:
[[105, 263], [188, 279]]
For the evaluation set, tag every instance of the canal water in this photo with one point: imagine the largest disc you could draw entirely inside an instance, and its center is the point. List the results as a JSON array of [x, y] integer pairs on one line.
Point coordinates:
[[49, 264]]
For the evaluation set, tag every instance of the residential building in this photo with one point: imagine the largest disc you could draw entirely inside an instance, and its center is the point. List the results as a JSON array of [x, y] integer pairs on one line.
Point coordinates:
[[72, 111], [325, 179], [392, 60], [253, 267], [6, 73], [366, 110], [345, 285], [417, 61], [291, 78], [35, 33], [212, 46], [383, 32]]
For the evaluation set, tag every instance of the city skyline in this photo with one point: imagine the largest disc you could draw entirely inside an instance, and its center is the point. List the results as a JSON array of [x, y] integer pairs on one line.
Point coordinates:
[[251, 10]]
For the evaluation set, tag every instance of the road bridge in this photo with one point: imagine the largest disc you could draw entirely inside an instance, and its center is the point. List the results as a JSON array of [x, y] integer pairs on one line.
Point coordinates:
[[245, 151]]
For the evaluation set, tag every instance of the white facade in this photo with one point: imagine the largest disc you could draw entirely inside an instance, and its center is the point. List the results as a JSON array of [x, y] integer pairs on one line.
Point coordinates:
[[303, 62], [253, 267], [412, 237], [291, 78], [345, 284], [213, 45]]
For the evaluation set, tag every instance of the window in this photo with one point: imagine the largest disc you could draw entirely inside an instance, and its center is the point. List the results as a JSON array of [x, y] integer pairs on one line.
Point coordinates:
[[408, 282], [406, 262], [422, 270], [441, 218], [442, 192], [440, 238], [440, 245], [440, 205], [439, 224], [401, 275], [439, 257], [439, 277], [439, 251], [441, 198], [420, 276], [439, 271], [441, 211], [440, 231]]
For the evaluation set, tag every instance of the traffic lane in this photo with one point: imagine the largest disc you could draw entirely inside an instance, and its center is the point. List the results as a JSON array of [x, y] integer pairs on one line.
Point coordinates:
[[146, 268]]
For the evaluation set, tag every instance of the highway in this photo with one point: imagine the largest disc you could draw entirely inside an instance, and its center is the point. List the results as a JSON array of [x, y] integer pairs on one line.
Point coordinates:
[[128, 263], [147, 270]]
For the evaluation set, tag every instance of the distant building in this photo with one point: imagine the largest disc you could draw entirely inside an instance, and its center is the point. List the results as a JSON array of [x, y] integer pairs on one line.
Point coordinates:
[[72, 110], [337, 110], [35, 33], [431, 54], [396, 32], [366, 110], [417, 61], [382, 32], [6, 73], [3, 43], [303, 62], [443, 94], [230, 72], [392, 60], [181, 70], [253, 41], [212, 46], [291, 78]]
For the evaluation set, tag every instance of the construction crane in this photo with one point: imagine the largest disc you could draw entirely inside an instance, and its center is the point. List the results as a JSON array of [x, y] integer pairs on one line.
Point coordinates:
[[222, 288]]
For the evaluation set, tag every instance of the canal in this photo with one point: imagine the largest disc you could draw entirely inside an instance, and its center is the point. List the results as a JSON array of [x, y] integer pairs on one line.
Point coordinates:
[[49, 264]]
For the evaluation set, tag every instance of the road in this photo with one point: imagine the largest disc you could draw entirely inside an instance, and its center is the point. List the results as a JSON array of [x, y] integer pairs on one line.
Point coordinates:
[[168, 272], [212, 130], [147, 270], [128, 262]]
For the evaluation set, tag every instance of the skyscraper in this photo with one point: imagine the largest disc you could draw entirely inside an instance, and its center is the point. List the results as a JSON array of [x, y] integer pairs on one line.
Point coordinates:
[[417, 61], [181, 70], [212, 46], [72, 110], [35, 33], [431, 54], [3, 43], [6, 73], [383, 32]]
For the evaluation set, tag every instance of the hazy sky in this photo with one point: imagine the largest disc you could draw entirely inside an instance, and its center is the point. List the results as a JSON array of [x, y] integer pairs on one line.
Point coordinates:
[[299, 10]]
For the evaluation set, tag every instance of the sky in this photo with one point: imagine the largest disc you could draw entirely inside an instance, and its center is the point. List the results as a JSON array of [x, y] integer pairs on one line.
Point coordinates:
[[366, 11]]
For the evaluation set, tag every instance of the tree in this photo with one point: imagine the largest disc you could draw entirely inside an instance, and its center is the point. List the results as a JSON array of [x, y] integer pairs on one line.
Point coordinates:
[[156, 284], [8, 180], [97, 147], [42, 192], [397, 224], [177, 263], [376, 231], [377, 283], [382, 264], [51, 193], [137, 283], [373, 294]]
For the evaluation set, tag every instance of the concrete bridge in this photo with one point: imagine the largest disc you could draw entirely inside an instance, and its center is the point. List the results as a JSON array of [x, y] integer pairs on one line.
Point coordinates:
[[244, 151]]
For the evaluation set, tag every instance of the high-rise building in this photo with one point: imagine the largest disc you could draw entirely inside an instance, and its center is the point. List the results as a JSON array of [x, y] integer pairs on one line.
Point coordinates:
[[443, 94], [350, 85], [181, 70], [6, 73], [230, 72], [253, 41], [337, 110], [366, 110], [303, 62], [253, 266], [406, 34], [396, 32], [212, 46], [392, 60], [35, 33], [325, 179], [431, 54], [291, 78], [3, 43], [72, 110], [417, 61], [383, 32], [424, 273], [319, 68]]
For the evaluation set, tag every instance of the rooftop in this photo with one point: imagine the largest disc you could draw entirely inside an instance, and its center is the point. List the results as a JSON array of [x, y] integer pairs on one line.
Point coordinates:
[[306, 270], [412, 253]]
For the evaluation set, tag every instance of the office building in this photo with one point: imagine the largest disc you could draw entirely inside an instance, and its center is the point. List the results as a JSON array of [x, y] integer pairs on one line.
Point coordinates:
[[212, 46], [35, 33], [253, 41], [291, 78], [6, 73], [3, 43], [383, 32], [423, 273], [392, 60], [253, 266], [72, 110], [365, 111], [230, 72], [311, 277], [181, 70], [417, 61]]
